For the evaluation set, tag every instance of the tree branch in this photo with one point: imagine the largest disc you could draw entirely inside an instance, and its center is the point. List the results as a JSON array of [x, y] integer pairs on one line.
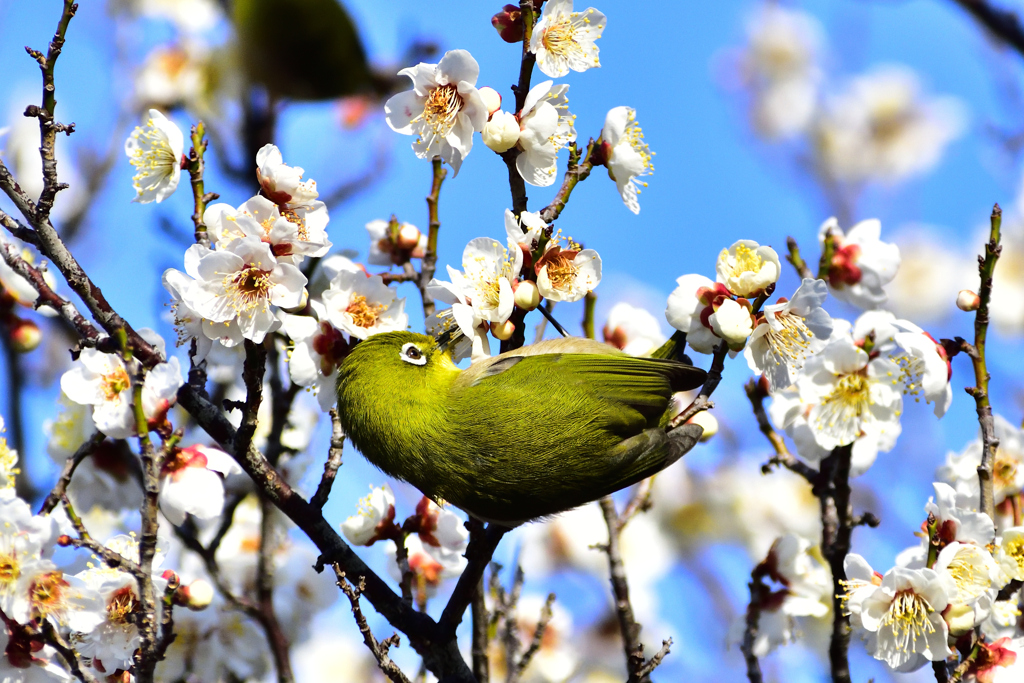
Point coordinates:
[[1003, 24]]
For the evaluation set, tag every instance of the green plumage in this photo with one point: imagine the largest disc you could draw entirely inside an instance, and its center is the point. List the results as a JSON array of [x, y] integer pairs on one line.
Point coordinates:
[[526, 434]]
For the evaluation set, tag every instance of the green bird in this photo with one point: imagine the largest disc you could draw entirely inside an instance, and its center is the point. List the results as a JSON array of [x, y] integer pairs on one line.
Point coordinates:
[[527, 434]]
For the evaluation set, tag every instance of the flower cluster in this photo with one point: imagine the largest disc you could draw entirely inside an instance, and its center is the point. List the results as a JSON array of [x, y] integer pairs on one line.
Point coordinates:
[[495, 280]]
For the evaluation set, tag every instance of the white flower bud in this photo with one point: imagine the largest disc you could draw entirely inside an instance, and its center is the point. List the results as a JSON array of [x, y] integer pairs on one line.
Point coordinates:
[[967, 300], [527, 295], [491, 98], [501, 133], [706, 420], [732, 323], [199, 593], [747, 268], [302, 303], [503, 330], [408, 236]]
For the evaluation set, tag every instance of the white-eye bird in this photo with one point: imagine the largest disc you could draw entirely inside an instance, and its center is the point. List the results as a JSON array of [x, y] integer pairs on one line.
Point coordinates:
[[527, 434]]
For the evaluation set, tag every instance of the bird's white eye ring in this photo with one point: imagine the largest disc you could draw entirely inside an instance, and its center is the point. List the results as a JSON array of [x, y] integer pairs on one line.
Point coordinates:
[[412, 354]]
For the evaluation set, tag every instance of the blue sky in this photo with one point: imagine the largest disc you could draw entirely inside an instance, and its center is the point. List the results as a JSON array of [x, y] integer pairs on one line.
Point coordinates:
[[714, 183]]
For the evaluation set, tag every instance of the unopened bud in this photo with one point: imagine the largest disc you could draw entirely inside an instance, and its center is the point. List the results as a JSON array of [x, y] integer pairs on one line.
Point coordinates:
[[960, 618], [408, 237], [527, 295], [501, 133], [198, 595], [25, 335], [63, 540], [706, 420], [503, 330], [491, 98], [509, 23], [967, 300], [171, 577]]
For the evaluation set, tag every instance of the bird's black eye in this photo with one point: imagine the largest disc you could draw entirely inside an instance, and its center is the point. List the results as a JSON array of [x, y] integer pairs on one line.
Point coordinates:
[[412, 354]]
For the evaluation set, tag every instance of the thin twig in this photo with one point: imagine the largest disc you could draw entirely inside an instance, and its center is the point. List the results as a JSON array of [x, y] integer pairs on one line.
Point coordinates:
[[70, 465], [546, 615], [575, 172], [478, 553], [782, 455], [1001, 23], [196, 168], [551, 319], [378, 649], [758, 593], [989, 441], [323, 491], [796, 260], [429, 262]]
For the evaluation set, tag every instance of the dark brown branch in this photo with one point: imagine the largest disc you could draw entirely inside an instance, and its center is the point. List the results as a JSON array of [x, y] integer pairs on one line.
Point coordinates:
[[1003, 24], [106, 555], [70, 465], [323, 491], [378, 649], [836, 519], [758, 593], [479, 554], [53, 638], [276, 638], [651, 664]]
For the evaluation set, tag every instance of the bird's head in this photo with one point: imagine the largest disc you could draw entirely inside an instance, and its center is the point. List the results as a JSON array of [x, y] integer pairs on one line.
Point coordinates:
[[395, 361]]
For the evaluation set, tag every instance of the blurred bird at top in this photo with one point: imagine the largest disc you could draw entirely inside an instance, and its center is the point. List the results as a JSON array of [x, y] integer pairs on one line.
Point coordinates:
[[305, 50], [527, 434]]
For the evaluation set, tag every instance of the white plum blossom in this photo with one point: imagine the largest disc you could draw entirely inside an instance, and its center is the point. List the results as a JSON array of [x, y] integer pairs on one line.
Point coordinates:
[[685, 311], [443, 109], [747, 268], [633, 330], [905, 614], [281, 183], [501, 132], [377, 508], [102, 381], [926, 368], [189, 324], [292, 233], [961, 469], [395, 243], [8, 462], [861, 264], [192, 483], [627, 155], [850, 394], [485, 285], [787, 333], [525, 231], [564, 40], [861, 581], [546, 126], [975, 574], [956, 523], [240, 283], [567, 274], [429, 564], [174, 75], [362, 306], [319, 347], [882, 128], [155, 151], [440, 527]]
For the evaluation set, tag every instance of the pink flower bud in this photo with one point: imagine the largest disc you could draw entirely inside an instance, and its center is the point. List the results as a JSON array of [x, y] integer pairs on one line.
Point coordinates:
[[503, 330], [509, 24], [25, 335], [527, 296], [967, 300]]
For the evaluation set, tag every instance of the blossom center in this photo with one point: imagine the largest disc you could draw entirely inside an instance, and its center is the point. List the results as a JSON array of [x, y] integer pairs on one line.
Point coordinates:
[[792, 340], [562, 270], [560, 39], [634, 136], [362, 313], [847, 403], [153, 156], [46, 594], [1004, 470], [248, 288], [114, 382], [1015, 549], [300, 223], [747, 260], [442, 108], [969, 573], [10, 570], [122, 604], [907, 619], [844, 269]]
